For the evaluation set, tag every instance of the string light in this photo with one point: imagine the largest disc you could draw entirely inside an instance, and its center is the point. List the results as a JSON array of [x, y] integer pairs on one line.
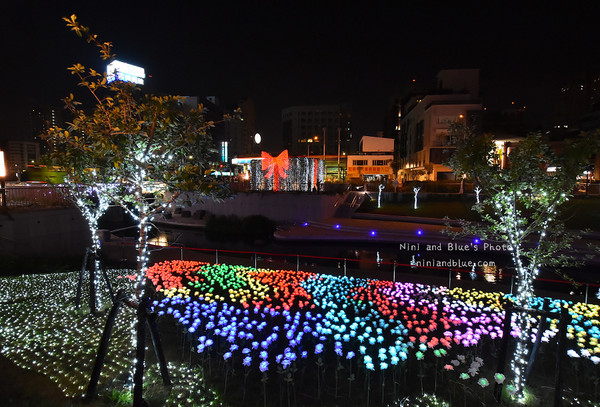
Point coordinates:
[[303, 174], [51, 337]]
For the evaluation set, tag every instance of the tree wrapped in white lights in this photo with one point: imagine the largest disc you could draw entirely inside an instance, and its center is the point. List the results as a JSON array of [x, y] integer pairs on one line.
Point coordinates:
[[154, 147], [522, 211], [416, 191], [90, 187]]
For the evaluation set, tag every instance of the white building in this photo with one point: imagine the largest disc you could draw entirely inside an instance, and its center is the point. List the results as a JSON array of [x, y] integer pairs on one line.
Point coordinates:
[[375, 160], [424, 140]]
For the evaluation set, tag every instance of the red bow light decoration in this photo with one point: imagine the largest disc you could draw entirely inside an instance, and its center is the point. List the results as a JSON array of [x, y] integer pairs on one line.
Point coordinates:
[[276, 167]]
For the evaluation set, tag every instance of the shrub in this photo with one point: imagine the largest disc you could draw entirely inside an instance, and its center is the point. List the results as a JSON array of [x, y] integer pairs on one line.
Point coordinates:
[[223, 228], [257, 228]]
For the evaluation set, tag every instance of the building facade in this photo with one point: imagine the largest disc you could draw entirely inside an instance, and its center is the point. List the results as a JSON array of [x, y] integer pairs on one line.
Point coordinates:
[[425, 143], [374, 162], [323, 129], [231, 138], [19, 155]]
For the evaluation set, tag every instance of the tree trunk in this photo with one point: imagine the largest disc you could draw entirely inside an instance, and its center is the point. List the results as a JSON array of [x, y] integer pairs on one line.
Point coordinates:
[[142, 299], [103, 347], [80, 282], [92, 300], [140, 352]]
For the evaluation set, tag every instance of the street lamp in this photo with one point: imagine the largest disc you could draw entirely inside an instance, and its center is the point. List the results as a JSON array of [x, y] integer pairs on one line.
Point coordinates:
[[257, 139], [2, 180]]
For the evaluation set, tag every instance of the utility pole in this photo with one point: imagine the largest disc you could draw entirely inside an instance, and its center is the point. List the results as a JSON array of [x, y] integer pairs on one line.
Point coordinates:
[[323, 143], [339, 150]]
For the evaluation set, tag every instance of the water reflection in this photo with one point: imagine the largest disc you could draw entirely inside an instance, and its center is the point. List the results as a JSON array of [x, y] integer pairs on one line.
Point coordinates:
[[492, 273], [489, 272], [352, 256], [161, 240]]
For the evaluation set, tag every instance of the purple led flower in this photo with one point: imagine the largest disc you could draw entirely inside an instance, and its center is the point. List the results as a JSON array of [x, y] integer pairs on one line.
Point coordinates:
[[264, 366], [318, 348], [247, 360]]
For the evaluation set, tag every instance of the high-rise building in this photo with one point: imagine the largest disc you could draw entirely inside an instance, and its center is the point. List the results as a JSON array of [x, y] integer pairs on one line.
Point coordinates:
[[577, 107], [321, 129], [232, 138], [40, 120], [424, 143], [240, 132], [19, 155]]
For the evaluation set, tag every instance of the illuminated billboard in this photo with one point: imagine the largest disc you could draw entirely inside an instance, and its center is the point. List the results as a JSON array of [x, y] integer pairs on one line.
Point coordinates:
[[121, 71]]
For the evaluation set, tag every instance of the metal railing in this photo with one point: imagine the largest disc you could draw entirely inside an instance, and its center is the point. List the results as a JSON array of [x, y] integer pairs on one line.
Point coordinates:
[[482, 279], [24, 196]]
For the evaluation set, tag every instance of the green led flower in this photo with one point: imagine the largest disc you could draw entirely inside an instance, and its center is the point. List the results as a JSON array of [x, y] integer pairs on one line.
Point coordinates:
[[499, 378]]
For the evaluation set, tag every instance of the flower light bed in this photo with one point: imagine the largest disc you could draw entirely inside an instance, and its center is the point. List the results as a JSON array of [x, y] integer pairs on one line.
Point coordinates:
[[271, 321], [273, 317]]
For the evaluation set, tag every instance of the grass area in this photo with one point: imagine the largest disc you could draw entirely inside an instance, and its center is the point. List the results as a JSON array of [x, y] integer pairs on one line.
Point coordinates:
[[434, 209], [579, 213], [54, 344]]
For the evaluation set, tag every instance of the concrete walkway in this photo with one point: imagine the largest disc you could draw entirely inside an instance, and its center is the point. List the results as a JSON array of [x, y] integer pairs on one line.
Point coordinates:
[[365, 230], [400, 229]]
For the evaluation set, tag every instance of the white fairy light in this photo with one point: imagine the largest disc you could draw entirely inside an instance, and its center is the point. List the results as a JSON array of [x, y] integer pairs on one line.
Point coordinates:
[[416, 191]]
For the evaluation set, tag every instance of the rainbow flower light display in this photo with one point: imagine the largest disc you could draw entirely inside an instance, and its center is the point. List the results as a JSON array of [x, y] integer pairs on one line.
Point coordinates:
[[269, 318]]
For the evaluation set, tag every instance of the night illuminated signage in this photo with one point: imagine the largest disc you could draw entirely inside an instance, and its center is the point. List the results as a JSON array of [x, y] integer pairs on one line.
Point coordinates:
[[121, 71], [224, 151]]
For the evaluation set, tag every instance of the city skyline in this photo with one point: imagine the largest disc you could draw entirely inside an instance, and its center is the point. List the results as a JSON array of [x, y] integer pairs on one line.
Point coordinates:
[[314, 54]]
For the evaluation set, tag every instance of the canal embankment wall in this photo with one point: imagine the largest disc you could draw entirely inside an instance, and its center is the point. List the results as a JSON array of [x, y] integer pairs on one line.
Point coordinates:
[[51, 232], [60, 231], [281, 207]]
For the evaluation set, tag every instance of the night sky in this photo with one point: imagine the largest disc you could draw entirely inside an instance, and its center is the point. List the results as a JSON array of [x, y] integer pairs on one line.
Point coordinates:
[[282, 54]]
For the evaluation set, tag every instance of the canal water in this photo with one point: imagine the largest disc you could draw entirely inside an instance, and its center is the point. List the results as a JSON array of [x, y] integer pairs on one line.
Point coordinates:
[[360, 258]]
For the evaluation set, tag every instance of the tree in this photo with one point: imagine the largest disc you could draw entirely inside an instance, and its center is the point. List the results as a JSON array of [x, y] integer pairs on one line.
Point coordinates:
[[156, 149], [89, 186], [522, 209]]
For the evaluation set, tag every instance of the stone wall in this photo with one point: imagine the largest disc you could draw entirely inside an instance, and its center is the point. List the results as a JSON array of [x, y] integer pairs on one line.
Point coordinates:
[[43, 232], [278, 206]]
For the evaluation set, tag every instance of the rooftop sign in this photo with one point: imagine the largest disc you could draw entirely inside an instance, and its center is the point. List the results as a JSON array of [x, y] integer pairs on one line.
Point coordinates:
[[121, 71]]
